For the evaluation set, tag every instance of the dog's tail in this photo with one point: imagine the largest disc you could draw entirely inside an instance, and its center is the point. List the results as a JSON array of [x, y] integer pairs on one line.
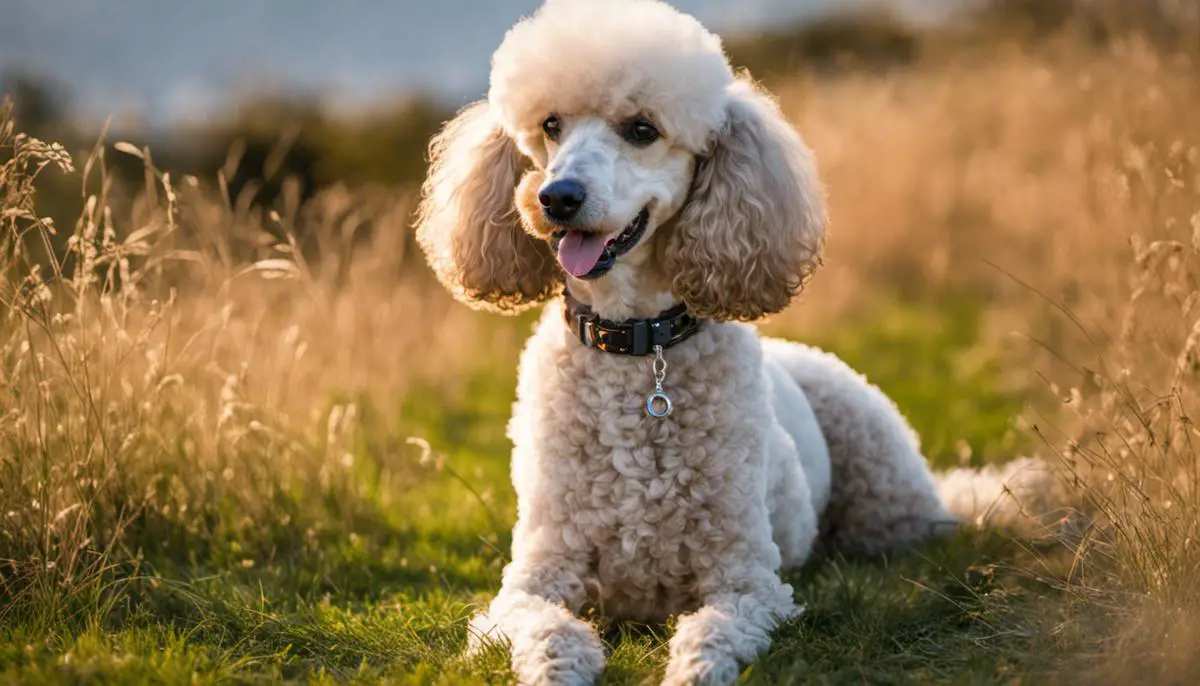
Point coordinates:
[[1021, 493]]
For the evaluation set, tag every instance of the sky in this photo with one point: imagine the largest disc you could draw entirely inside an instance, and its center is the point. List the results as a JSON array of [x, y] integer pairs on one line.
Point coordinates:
[[163, 61]]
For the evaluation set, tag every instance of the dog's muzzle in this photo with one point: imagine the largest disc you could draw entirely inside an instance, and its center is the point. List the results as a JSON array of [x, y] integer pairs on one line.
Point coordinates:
[[623, 243]]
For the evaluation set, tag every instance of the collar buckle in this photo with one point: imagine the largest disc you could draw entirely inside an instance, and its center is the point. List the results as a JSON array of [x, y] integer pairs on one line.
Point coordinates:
[[640, 343]]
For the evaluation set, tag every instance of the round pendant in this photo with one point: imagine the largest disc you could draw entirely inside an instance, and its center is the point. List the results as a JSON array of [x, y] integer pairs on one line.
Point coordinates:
[[658, 404]]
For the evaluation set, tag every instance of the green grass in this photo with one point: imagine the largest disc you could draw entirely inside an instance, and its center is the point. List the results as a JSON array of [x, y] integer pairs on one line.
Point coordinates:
[[376, 586], [926, 355]]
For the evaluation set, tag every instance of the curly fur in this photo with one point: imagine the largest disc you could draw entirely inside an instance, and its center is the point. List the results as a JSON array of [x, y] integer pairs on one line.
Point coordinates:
[[773, 447], [468, 225], [752, 231], [645, 519], [617, 58]]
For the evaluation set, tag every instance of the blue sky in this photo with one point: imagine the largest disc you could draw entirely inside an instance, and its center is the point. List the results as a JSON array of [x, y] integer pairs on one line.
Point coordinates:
[[167, 60]]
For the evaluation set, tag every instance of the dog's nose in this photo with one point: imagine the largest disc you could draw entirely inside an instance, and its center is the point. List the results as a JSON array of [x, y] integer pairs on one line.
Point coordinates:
[[562, 199]]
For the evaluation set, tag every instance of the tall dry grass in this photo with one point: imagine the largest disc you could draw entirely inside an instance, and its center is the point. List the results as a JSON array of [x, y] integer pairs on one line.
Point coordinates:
[[189, 373], [187, 377], [1062, 187]]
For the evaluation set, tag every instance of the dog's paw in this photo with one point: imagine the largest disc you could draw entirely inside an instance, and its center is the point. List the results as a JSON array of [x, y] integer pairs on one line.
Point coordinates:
[[548, 644], [706, 668], [570, 657]]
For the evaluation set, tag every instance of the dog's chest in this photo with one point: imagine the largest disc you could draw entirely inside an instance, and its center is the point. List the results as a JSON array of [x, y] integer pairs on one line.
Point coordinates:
[[649, 497], [645, 512]]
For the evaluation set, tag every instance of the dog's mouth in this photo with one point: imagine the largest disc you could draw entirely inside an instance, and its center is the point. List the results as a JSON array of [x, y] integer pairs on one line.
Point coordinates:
[[587, 255]]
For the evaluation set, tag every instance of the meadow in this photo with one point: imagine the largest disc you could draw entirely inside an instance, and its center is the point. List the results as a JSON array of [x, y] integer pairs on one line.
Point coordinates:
[[250, 443]]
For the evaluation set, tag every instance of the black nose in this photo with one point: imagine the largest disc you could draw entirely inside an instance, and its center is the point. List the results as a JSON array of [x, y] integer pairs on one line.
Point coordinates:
[[562, 199]]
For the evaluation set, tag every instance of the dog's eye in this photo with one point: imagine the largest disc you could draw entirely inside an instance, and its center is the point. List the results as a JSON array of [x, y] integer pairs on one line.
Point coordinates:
[[641, 132], [552, 127]]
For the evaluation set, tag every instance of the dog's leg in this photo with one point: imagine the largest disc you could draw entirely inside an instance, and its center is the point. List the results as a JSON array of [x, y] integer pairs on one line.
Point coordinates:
[[883, 494], [790, 502], [534, 611], [731, 628]]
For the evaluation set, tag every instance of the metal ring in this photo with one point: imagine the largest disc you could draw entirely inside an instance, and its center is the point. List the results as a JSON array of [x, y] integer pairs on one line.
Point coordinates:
[[659, 395]]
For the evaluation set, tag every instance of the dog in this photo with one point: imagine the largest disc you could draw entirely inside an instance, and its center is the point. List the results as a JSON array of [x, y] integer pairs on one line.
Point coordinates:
[[667, 459]]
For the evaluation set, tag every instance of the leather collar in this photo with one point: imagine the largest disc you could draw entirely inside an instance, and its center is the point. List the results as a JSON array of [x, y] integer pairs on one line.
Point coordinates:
[[632, 336]]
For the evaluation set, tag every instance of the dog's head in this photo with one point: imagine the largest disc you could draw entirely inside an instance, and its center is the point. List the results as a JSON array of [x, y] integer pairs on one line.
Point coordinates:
[[623, 121]]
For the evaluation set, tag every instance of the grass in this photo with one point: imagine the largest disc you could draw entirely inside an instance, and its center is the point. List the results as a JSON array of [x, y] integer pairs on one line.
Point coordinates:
[[384, 598], [926, 354], [258, 445]]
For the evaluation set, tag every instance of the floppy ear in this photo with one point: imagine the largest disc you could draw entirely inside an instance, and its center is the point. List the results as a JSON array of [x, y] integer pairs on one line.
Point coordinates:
[[753, 229], [468, 225]]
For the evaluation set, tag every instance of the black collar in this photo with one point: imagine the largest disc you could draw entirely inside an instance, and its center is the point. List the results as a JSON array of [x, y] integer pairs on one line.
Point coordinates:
[[632, 336]]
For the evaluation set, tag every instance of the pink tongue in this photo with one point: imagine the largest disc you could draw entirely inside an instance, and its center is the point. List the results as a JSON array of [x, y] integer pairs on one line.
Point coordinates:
[[578, 252]]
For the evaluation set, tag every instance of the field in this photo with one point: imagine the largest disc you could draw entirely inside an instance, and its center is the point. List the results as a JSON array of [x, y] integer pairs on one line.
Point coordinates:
[[249, 445]]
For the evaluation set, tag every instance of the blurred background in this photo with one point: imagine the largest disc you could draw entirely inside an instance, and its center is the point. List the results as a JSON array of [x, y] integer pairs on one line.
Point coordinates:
[[356, 90], [155, 65]]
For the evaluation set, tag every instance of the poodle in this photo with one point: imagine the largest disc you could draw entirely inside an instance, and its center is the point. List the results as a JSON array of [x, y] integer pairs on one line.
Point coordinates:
[[668, 460]]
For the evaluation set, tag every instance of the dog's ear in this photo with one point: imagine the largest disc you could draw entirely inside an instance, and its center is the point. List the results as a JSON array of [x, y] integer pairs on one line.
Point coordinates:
[[467, 223], [753, 229]]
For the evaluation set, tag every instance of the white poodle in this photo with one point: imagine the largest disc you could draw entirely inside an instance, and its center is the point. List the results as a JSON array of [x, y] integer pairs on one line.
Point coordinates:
[[667, 460]]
